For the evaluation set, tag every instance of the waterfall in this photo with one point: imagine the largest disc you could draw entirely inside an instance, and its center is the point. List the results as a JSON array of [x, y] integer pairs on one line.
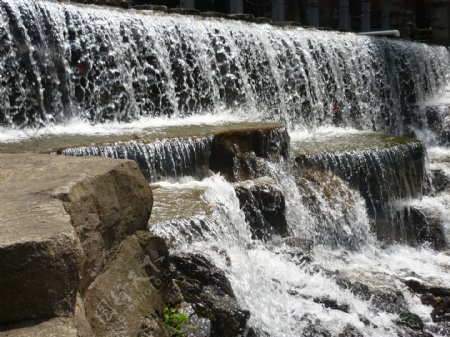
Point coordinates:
[[283, 291], [99, 73], [60, 62], [156, 160]]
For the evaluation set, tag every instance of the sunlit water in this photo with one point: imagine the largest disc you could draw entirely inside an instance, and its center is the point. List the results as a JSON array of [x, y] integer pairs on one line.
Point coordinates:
[[279, 290], [61, 61], [73, 69]]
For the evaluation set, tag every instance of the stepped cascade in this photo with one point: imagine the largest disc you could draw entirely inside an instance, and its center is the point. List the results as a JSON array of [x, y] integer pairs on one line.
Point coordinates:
[[257, 180]]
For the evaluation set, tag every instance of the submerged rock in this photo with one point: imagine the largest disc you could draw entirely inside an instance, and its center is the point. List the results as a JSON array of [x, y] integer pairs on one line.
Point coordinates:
[[264, 206], [439, 180], [381, 298], [332, 304], [350, 331], [410, 320], [438, 121], [428, 228], [436, 296]]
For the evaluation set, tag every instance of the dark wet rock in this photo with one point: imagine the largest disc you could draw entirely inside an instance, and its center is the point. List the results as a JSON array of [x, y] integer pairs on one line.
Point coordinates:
[[437, 297], [389, 300], [114, 3], [428, 228], [214, 14], [421, 288], [184, 11], [251, 333], [198, 282], [287, 24], [366, 321], [350, 331], [440, 181], [332, 304], [264, 207], [410, 320], [441, 310], [158, 8], [242, 17], [441, 329], [299, 250], [194, 326], [239, 155], [408, 332], [313, 328], [297, 243], [356, 288], [438, 120], [381, 298]]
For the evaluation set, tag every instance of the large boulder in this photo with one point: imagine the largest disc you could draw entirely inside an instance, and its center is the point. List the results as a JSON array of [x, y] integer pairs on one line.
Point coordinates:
[[62, 220], [125, 299]]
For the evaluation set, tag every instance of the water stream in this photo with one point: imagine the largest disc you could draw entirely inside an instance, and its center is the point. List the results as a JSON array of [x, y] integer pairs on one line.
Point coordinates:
[[61, 61], [68, 68]]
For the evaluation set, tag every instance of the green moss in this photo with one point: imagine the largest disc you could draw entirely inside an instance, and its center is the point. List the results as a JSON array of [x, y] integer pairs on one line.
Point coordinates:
[[175, 321], [352, 142]]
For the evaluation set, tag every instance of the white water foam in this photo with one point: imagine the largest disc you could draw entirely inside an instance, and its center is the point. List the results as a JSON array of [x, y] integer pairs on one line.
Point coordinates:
[[80, 127], [279, 291]]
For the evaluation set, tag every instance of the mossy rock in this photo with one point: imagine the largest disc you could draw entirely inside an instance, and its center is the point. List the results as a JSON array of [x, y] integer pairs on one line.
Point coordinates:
[[350, 142]]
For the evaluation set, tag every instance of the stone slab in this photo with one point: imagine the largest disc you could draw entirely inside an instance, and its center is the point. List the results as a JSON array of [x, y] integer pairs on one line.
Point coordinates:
[[44, 251]]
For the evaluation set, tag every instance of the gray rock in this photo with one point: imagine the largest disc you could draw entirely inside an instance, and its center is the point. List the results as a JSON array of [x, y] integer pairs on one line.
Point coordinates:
[[62, 220], [264, 207], [198, 282]]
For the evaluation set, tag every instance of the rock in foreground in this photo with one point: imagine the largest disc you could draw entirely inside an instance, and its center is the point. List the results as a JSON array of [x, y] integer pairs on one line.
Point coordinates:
[[62, 221]]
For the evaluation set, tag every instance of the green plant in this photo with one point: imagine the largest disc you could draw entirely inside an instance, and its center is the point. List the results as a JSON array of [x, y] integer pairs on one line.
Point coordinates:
[[175, 321]]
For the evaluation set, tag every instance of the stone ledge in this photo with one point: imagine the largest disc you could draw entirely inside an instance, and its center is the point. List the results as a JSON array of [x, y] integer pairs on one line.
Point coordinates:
[[44, 252], [384, 168]]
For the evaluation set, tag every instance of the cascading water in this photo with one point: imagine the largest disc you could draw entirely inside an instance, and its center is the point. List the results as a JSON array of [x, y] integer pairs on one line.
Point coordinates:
[[61, 63], [290, 297], [165, 158]]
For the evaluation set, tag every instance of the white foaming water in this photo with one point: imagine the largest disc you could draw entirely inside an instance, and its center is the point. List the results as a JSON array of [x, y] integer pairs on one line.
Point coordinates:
[[64, 61], [281, 291], [321, 132], [438, 152], [82, 127]]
